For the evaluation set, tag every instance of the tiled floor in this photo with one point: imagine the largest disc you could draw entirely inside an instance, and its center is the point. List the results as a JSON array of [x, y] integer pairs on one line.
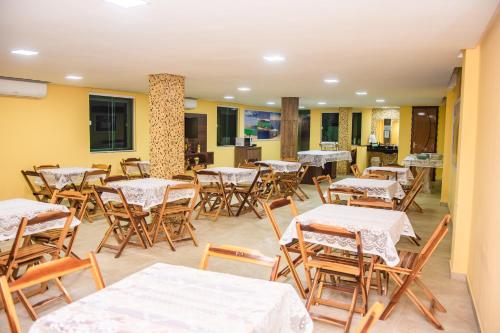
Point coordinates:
[[250, 232]]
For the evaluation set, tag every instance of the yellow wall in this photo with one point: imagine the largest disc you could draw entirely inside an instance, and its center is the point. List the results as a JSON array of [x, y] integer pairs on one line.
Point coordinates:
[[55, 130], [441, 135], [404, 132], [480, 97], [224, 156]]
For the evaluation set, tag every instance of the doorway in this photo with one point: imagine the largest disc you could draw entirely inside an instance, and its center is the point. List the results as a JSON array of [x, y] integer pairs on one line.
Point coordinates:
[[424, 131], [304, 130]]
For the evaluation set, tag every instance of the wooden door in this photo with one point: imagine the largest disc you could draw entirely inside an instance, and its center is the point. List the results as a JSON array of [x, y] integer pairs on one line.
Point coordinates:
[[424, 129], [304, 129]]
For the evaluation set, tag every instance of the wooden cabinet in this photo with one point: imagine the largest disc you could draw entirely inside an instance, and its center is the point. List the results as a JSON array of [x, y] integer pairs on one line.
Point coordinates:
[[242, 153]]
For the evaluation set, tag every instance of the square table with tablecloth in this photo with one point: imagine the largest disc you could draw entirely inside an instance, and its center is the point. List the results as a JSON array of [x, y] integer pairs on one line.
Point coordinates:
[[403, 175], [376, 188], [61, 177]]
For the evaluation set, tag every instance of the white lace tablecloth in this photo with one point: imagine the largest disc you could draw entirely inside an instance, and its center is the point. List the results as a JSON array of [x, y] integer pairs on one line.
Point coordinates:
[[167, 298], [319, 158], [380, 229], [61, 177], [146, 192], [386, 189], [283, 166], [434, 161], [230, 175], [12, 212], [404, 174]]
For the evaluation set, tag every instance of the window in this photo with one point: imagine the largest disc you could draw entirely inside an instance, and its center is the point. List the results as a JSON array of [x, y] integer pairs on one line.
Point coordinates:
[[227, 124], [329, 127], [111, 123], [356, 128]]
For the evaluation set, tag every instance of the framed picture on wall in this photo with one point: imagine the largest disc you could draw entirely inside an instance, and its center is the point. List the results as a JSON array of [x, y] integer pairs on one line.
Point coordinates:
[[262, 125]]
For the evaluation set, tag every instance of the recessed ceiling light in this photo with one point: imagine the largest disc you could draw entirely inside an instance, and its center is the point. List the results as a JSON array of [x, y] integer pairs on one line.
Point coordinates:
[[380, 100], [361, 93], [321, 103], [244, 88], [460, 55], [74, 77], [128, 3], [274, 58], [270, 103], [302, 107], [228, 97], [331, 80], [25, 52]]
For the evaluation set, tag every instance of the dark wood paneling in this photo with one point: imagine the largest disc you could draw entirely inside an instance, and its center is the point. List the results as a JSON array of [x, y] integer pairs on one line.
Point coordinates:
[[424, 129], [289, 126], [242, 153], [201, 139]]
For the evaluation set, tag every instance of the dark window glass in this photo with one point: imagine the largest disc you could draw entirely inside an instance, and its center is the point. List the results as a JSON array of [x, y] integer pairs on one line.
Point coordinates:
[[356, 128], [111, 123], [227, 124], [330, 127]]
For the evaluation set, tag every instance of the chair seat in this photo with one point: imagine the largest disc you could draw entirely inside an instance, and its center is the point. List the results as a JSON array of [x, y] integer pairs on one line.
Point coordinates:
[[28, 253], [326, 263], [407, 260], [50, 235]]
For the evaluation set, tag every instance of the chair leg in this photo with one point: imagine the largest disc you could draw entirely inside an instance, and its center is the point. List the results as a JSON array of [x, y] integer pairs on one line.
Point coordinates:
[[430, 296], [311, 298], [291, 266], [351, 310]]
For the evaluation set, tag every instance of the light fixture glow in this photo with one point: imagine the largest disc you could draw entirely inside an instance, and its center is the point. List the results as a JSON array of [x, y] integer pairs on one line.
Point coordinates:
[[380, 100], [302, 107], [25, 52], [270, 103], [361, 93], [274, 58], [321, 103], [244, 88], [228, 97], [128, 3], [421, 113], [331, 81], [460, 55], [74, 77]]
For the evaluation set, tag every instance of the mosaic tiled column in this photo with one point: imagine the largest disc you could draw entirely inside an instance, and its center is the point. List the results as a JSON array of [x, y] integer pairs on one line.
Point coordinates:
[[166, 124], [345, 129]]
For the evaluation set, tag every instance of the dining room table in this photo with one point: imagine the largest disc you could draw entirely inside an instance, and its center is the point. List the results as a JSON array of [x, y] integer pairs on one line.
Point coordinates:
[[421, 161], [12, 211], [62, 177], [171, 298], [375, 188], [319, 158], [146, 192], [230, 175], [282, 166]]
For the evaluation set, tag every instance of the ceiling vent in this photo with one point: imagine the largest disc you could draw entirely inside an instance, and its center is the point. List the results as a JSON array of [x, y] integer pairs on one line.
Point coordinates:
[[22, 88]]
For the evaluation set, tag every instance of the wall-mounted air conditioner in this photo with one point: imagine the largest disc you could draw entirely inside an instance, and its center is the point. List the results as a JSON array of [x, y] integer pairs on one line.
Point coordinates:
[[22, 88], [190, 103]]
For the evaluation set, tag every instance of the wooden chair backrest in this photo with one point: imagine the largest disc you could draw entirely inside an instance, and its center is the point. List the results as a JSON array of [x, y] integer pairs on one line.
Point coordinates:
[[41, 273], [371, 203], [108, 208], [242, 254], [374, 176], [355, 170], [433, 242], [188, 204], [116, 178], [186, 178], [386, 173], [129, 168], [38, 219], [93, 177], [317, 183], [248, 165], [37, 168], [76, 200], [131, 159], [215, 178], [30, 177], [330, 231], [370, 318], [102, 167], [417, 185], [278, 203]]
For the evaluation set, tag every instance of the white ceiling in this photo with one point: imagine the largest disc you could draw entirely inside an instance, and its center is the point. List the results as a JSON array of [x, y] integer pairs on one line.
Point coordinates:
[[403, 51]]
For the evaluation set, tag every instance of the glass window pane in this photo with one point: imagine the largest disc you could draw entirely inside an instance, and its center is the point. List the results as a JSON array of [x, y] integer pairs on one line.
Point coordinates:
[[330, 127], [356, 128], [227, 124]]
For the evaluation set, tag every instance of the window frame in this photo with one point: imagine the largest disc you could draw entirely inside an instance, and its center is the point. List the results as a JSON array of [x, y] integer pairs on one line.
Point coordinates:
[[360, 128], [217, 124], [321, 127], [133, 122]]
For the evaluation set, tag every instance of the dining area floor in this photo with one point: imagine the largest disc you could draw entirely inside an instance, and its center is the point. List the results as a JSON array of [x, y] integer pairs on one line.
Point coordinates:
[[247, 231]]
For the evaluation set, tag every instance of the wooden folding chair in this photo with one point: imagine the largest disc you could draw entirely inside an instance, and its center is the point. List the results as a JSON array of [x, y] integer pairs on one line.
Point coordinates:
[[349, 192], [174, 216], [317, 183], [116, 178], [385, 173], [328, 264], [91, 178], [25, 253], [370, 318], [369, 202], [74, 200], [43, 273], [124, 221], [355, 170], [269, 184], [412, 191], [247, 196], [214, 195], [293, 247], [292, 181], [106, 167], [38, 185], [184, 178], [37, 168], [409, 272], [242, 254], [132, 170]]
